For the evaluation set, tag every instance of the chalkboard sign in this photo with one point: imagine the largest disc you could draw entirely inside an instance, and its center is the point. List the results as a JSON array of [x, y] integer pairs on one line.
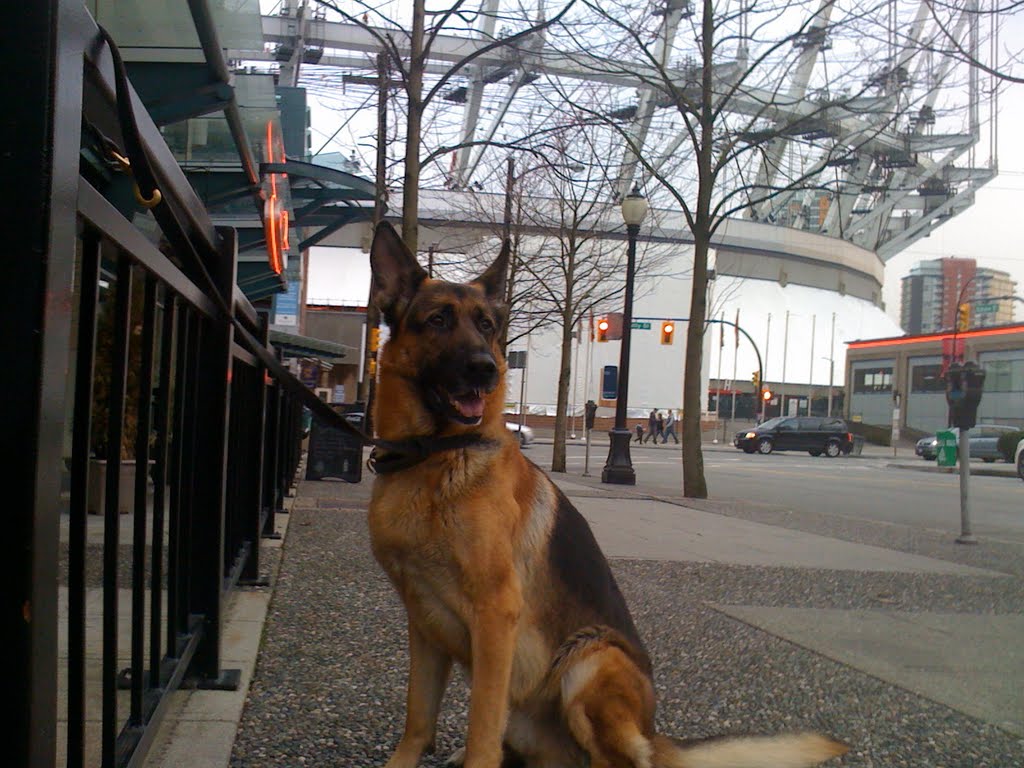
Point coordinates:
[[334, 453]]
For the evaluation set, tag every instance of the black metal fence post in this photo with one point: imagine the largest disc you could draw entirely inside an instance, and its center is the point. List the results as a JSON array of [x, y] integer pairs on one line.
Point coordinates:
[[213, 403], [40, 171], [255, 464]]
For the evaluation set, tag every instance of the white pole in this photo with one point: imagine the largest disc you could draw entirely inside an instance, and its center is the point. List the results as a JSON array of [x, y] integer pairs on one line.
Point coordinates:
[[721, 347], [810, 387], [963, 446], [735, 356], [764, 373], [576, 378], [831, 363], [785, 351], [718, 395]]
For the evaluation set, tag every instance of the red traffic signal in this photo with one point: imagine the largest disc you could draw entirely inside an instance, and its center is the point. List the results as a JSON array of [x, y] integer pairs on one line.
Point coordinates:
[[766, 395], [602, 329], [668, 329]]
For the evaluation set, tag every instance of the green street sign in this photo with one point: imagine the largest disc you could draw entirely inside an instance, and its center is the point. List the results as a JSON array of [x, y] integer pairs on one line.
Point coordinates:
[[640, 325], [989, 307]]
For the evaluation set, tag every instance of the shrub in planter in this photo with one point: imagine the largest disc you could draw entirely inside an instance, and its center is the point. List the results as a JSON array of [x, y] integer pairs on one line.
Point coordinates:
[[1007, 444]]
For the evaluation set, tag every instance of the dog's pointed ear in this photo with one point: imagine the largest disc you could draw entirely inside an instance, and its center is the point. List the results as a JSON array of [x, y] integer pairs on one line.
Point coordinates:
[[395, 273], [493, 280]]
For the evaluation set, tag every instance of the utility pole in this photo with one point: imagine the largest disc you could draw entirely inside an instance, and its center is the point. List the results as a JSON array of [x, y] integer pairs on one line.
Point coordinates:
[[366, 386], [506, 235]]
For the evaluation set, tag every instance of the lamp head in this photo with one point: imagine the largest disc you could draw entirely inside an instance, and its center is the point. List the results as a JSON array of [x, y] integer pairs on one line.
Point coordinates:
[[634, 207]]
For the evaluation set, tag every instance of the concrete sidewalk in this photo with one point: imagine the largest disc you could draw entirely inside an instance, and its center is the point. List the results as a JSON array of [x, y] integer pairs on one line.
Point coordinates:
[[906, 647]]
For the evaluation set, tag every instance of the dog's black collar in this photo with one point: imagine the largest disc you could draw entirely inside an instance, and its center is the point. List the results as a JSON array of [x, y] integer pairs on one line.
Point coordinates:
[[394, 456]]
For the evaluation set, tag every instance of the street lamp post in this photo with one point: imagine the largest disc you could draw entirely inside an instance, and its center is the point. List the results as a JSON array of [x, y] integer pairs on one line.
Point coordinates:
[[619, 467]]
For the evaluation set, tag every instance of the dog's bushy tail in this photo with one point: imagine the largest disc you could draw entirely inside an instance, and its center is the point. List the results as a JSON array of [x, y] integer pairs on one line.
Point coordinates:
[[796, 750]]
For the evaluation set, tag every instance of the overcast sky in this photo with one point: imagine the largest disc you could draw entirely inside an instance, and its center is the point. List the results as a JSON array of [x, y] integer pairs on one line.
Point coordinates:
[[989, 231]]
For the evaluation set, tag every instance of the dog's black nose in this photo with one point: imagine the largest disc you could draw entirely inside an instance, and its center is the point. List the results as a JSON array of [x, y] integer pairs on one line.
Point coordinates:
[[481, 368]]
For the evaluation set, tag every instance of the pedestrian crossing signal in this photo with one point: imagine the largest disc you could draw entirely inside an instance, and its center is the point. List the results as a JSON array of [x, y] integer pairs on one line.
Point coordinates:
[[602, 329], [668, 330], [766, 395]]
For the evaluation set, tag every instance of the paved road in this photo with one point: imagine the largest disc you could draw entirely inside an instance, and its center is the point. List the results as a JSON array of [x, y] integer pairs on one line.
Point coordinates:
[[867, 489]]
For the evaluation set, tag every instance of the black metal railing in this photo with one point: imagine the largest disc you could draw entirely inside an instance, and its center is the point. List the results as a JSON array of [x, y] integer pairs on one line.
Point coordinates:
[[159, 389]]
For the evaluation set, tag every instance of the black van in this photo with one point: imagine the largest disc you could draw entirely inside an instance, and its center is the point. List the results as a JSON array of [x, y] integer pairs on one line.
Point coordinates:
[[814, 434]]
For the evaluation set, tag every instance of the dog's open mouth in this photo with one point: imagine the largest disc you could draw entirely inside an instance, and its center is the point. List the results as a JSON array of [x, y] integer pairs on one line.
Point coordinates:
[[468, 406]]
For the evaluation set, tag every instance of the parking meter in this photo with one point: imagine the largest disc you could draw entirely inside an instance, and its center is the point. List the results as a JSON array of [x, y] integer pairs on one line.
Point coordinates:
[[589, 413], [964, 386]]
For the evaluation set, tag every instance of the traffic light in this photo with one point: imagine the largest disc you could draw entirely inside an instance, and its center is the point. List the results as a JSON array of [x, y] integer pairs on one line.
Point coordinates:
[[668, 330], [602, 329], [766, 395], [756, 379], [373, 341], [963, 317]]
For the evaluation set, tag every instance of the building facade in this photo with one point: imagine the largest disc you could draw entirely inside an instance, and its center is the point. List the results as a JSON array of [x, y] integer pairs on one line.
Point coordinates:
[[899, 381], [932, 292]]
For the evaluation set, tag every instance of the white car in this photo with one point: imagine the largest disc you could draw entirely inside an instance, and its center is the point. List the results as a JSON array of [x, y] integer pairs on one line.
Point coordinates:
[[1020, 459], [525, 434]]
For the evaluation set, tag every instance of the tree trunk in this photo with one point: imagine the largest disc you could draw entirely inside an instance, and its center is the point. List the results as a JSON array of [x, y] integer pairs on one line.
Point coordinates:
[[561, 410], [414, 97], [694, 483]]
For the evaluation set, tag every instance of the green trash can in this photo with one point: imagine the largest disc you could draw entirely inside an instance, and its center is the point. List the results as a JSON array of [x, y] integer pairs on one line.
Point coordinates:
[[947, 448]]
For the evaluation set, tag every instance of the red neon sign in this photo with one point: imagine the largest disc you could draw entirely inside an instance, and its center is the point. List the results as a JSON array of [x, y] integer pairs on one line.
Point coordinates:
[[275, 216]]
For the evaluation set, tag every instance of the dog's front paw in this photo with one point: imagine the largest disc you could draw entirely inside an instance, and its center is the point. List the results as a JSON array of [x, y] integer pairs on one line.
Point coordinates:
[[456, 758]]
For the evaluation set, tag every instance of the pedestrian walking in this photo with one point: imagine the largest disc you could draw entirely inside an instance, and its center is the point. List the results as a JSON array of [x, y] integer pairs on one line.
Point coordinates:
[[660, 426], [670, 427], [652, 425], [639, 433]]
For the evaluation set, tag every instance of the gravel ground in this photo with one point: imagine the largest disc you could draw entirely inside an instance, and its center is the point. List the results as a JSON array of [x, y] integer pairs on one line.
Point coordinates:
[[329, 685]]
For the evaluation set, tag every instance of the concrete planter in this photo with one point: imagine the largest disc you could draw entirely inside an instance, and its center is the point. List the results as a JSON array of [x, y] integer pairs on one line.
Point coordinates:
[[126, 486]]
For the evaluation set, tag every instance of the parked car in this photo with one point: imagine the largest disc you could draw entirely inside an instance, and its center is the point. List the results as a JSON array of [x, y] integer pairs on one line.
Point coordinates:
[[814, 434], [525, 434], [983, 439], [1020, 459]]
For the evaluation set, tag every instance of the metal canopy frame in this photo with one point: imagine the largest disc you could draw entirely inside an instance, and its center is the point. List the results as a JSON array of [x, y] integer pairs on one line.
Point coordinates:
[[870, 196]]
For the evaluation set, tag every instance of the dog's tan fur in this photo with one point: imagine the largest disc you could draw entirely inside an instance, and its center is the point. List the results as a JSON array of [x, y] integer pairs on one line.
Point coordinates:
[[494, 566]]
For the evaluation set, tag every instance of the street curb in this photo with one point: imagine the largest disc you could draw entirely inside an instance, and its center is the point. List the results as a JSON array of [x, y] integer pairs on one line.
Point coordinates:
[[980, 471]]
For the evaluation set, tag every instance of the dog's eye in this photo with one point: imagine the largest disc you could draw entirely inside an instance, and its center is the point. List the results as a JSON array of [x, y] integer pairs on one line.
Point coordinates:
[[486, 324], [438, 320]]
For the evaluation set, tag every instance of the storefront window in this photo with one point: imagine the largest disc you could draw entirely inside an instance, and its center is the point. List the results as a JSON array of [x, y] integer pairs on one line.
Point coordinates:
[[1004, 375], [927, 378], [872, 380]]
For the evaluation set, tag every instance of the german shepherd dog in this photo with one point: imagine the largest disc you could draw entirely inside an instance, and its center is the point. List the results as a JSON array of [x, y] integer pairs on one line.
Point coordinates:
[[497, 570]]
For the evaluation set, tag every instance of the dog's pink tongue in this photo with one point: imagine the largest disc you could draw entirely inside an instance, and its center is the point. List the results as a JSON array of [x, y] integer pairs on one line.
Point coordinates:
[[470, 407]]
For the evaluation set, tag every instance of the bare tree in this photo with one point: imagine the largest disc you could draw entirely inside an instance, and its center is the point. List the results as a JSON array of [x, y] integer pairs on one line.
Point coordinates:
[[409, 53], [755, 129], [1003, 61], [564, 267]]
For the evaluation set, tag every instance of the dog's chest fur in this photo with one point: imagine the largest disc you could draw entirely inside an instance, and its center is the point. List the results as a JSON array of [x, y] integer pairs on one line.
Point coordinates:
[[426, 529]]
